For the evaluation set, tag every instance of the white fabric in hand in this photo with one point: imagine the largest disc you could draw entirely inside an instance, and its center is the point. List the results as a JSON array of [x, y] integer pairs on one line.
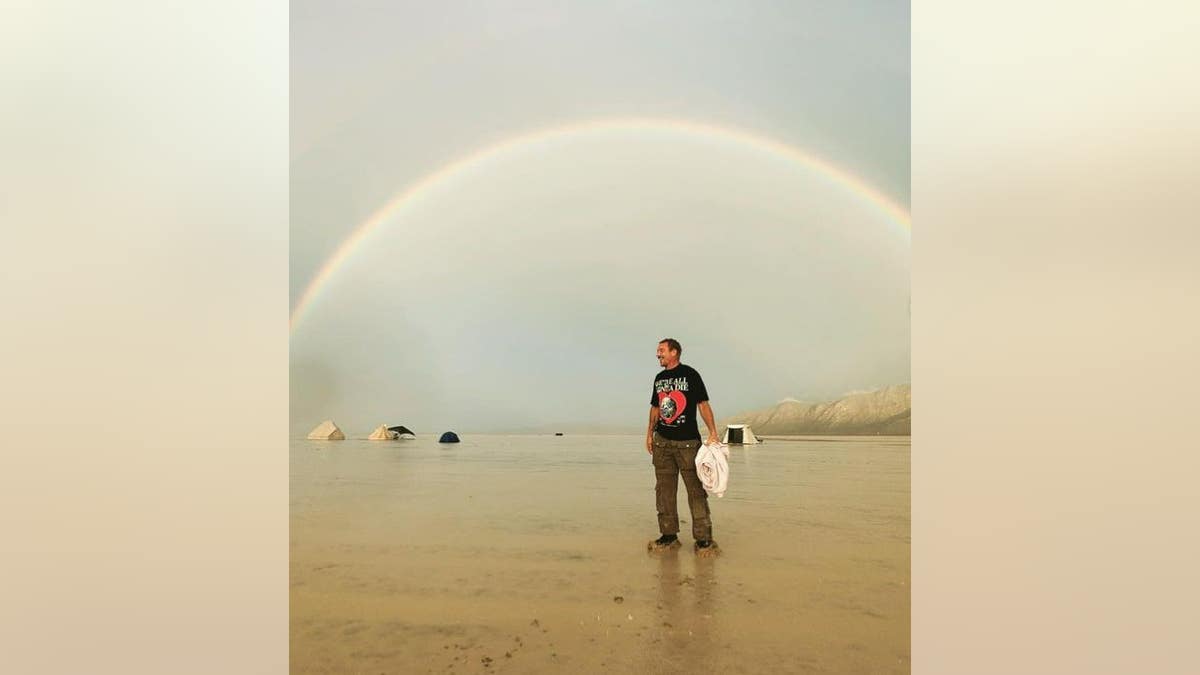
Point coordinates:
[[712, 466]]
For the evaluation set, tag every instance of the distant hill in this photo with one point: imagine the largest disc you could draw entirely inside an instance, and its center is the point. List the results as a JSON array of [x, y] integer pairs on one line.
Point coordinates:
[[886, 411]]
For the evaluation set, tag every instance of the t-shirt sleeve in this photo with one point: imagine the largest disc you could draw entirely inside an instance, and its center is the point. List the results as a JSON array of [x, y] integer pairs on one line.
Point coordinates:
[[653, 397], [701, 392]]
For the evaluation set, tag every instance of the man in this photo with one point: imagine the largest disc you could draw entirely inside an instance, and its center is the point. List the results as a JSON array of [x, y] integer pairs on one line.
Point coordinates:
[[672, 439]]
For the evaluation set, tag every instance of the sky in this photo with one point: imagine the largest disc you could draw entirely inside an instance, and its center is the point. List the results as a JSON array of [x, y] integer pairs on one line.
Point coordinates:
[[528, 287]]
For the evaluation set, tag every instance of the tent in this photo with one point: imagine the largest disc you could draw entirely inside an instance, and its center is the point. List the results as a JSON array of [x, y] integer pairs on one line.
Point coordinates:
[[326, 431], [403, 431], [448, 437], [739, 434], [382, 433]]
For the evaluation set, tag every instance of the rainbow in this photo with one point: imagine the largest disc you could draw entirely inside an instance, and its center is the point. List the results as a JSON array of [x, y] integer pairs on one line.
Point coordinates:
[[447, 173]]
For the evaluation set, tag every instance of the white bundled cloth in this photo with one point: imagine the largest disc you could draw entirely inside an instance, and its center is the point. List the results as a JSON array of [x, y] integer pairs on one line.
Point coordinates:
[[712, 465]]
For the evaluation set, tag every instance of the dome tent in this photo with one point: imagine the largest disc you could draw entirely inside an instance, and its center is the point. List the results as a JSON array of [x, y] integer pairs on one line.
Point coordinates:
[[448, 437]]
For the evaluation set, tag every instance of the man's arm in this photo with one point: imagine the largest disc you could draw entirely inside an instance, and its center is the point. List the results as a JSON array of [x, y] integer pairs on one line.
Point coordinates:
[[707, 416], [650, 429]]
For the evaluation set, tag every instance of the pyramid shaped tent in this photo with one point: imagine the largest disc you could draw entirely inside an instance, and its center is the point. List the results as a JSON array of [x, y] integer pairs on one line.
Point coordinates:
[[382, 433], [326, 431]]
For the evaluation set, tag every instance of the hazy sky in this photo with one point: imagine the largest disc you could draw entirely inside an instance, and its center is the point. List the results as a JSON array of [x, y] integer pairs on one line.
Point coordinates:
[[530, 290]]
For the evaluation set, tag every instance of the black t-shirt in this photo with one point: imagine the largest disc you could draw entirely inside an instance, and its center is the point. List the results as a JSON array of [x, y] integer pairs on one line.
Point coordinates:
[[676, 393]]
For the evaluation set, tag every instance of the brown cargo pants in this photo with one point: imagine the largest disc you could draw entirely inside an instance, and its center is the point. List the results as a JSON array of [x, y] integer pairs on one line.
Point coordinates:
[[671, 460]]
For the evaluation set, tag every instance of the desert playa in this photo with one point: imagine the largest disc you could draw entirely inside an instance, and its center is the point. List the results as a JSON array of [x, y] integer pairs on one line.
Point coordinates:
[[527, 554]]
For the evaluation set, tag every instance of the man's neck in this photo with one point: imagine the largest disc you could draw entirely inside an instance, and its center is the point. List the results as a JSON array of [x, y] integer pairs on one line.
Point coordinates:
[[672, 366]]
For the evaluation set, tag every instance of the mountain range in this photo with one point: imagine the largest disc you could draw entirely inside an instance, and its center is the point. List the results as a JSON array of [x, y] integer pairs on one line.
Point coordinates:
[[886, 411]]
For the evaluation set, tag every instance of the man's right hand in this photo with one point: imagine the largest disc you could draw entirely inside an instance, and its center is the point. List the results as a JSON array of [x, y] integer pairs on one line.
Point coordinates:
[[650, 444]]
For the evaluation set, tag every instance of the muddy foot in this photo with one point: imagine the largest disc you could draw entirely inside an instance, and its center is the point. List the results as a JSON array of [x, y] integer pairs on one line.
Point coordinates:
[[655, 547]]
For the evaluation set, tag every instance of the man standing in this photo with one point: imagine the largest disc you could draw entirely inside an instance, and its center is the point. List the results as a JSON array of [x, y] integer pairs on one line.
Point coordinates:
[[672, 439]]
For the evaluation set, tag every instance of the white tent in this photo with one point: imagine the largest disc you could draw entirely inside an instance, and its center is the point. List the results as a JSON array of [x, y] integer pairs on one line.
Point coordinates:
[[382, 433], [326, 431], [739, 433]]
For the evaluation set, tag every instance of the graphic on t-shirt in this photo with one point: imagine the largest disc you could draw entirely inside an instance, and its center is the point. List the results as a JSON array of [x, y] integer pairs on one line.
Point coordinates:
[[671, 405]]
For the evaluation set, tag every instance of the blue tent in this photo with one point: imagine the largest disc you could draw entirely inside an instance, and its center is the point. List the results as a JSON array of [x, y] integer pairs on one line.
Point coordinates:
[[448, 437]]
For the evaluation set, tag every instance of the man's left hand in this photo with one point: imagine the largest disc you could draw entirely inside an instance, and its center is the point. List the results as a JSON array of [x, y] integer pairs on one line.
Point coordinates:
[[712, 439]]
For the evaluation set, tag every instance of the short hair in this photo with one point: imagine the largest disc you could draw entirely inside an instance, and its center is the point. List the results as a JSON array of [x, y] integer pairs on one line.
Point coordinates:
[[673, 345]]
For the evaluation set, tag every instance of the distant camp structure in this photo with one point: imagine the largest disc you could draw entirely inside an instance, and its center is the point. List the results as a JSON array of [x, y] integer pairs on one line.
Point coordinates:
[[403, 431], [448, 437], [382, 433], [326, 431], [739, 434]]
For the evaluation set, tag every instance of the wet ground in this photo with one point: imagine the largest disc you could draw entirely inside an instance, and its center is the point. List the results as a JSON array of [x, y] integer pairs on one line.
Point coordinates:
[[527, 554]]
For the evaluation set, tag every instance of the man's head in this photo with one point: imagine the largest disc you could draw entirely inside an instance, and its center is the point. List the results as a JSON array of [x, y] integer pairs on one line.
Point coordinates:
[[669, 350]]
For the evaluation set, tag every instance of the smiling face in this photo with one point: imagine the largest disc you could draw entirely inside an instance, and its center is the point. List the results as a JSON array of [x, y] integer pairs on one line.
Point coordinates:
[[667, 357]]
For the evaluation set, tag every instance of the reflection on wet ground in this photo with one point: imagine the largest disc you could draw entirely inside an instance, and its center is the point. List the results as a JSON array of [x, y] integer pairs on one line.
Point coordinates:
[[528, 554]]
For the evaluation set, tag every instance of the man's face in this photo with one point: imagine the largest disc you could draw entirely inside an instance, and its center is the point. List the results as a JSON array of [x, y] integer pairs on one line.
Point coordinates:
[[666, 355]]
